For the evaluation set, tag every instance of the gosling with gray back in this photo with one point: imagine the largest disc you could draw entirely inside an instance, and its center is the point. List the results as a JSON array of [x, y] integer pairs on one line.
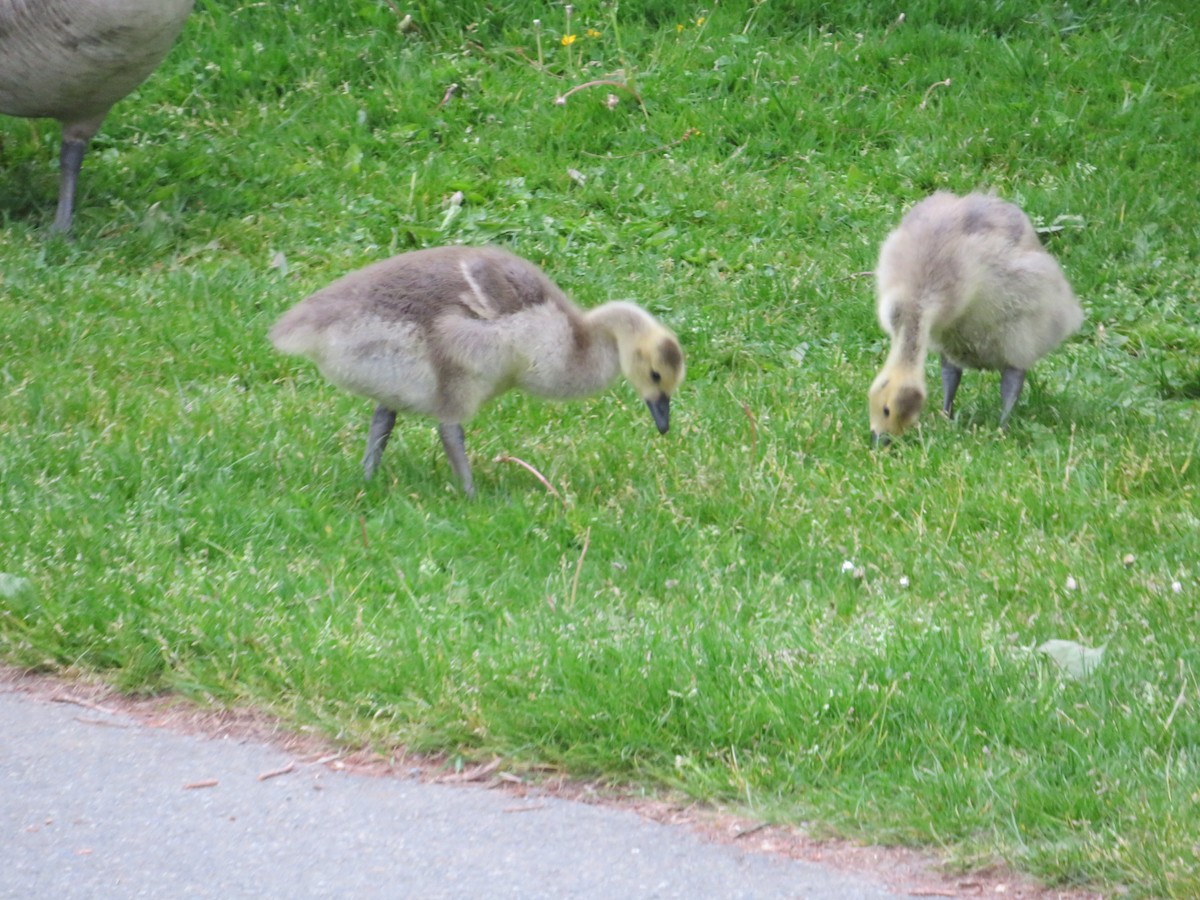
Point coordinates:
[[441, 331], [967, 277], [71, 60]]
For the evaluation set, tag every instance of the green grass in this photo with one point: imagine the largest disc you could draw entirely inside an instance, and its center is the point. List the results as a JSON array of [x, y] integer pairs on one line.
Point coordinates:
[[190, 508]]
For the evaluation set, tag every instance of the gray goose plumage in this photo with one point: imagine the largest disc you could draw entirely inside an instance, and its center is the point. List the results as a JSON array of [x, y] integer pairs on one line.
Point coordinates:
[[71, 60]]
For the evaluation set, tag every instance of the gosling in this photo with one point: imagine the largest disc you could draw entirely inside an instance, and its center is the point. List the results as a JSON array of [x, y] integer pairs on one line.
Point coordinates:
[[71, 60], [967, 277], [440, 331]]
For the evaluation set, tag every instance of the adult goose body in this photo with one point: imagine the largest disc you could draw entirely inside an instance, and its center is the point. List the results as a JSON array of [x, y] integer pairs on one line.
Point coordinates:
[[71, 60]]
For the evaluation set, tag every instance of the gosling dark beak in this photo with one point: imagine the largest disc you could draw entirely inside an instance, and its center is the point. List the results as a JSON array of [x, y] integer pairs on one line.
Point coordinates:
[[660, 408], [880, 440]]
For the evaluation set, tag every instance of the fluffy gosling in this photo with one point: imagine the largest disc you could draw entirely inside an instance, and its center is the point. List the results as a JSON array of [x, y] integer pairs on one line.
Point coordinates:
[[967, 277], [441, 331]]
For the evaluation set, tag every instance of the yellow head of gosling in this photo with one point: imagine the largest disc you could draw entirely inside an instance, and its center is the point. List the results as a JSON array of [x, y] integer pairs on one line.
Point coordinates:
[[896, 398], [653, 363]]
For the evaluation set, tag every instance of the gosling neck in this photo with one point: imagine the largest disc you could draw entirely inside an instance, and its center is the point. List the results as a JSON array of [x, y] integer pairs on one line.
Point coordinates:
[[591, 360], [910, 339], [619, 319]]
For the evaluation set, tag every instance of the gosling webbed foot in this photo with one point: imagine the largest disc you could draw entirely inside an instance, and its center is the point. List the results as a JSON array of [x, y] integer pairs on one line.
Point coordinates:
[[951, 376], [381, 429], [454, 441], [1011, 382]]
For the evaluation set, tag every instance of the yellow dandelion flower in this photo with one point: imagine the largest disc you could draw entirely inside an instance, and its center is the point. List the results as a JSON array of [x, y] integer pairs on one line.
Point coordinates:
[[678, 28], [593, 33], [568, 40], [700, 21]]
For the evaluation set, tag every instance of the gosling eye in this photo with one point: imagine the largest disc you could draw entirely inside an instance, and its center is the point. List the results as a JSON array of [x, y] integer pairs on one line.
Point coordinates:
[[655, 376], [887, 412]]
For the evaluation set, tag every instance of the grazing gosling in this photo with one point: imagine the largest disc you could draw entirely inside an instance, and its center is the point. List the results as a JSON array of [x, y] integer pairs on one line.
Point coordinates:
[[71, 60], [968, 277], [441, 331]]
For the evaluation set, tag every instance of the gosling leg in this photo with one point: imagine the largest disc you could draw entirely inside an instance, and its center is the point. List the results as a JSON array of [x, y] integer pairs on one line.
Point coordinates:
[[454, 441], [381, 429], [951, 376], [1011, 382], [70, 161]]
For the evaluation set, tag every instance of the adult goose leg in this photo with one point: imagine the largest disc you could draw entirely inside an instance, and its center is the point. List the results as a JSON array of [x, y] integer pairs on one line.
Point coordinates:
[[70, 162]]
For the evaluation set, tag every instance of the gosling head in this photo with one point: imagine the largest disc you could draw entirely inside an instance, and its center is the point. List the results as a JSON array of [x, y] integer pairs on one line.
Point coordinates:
[[896, 399], [653, 363]]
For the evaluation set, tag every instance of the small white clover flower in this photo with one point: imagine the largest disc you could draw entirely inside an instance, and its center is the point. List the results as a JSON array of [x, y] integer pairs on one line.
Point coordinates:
[[1177, 587], [1071, 583], [847, 566]]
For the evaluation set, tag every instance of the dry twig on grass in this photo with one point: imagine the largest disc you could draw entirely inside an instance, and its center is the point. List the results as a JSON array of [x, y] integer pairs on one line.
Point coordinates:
[[587, 540], [929, 90], [561, 99], [536, 474]]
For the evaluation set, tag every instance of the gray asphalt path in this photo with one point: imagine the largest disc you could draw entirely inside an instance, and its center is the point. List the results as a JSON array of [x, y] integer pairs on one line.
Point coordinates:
[[94, 804]]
